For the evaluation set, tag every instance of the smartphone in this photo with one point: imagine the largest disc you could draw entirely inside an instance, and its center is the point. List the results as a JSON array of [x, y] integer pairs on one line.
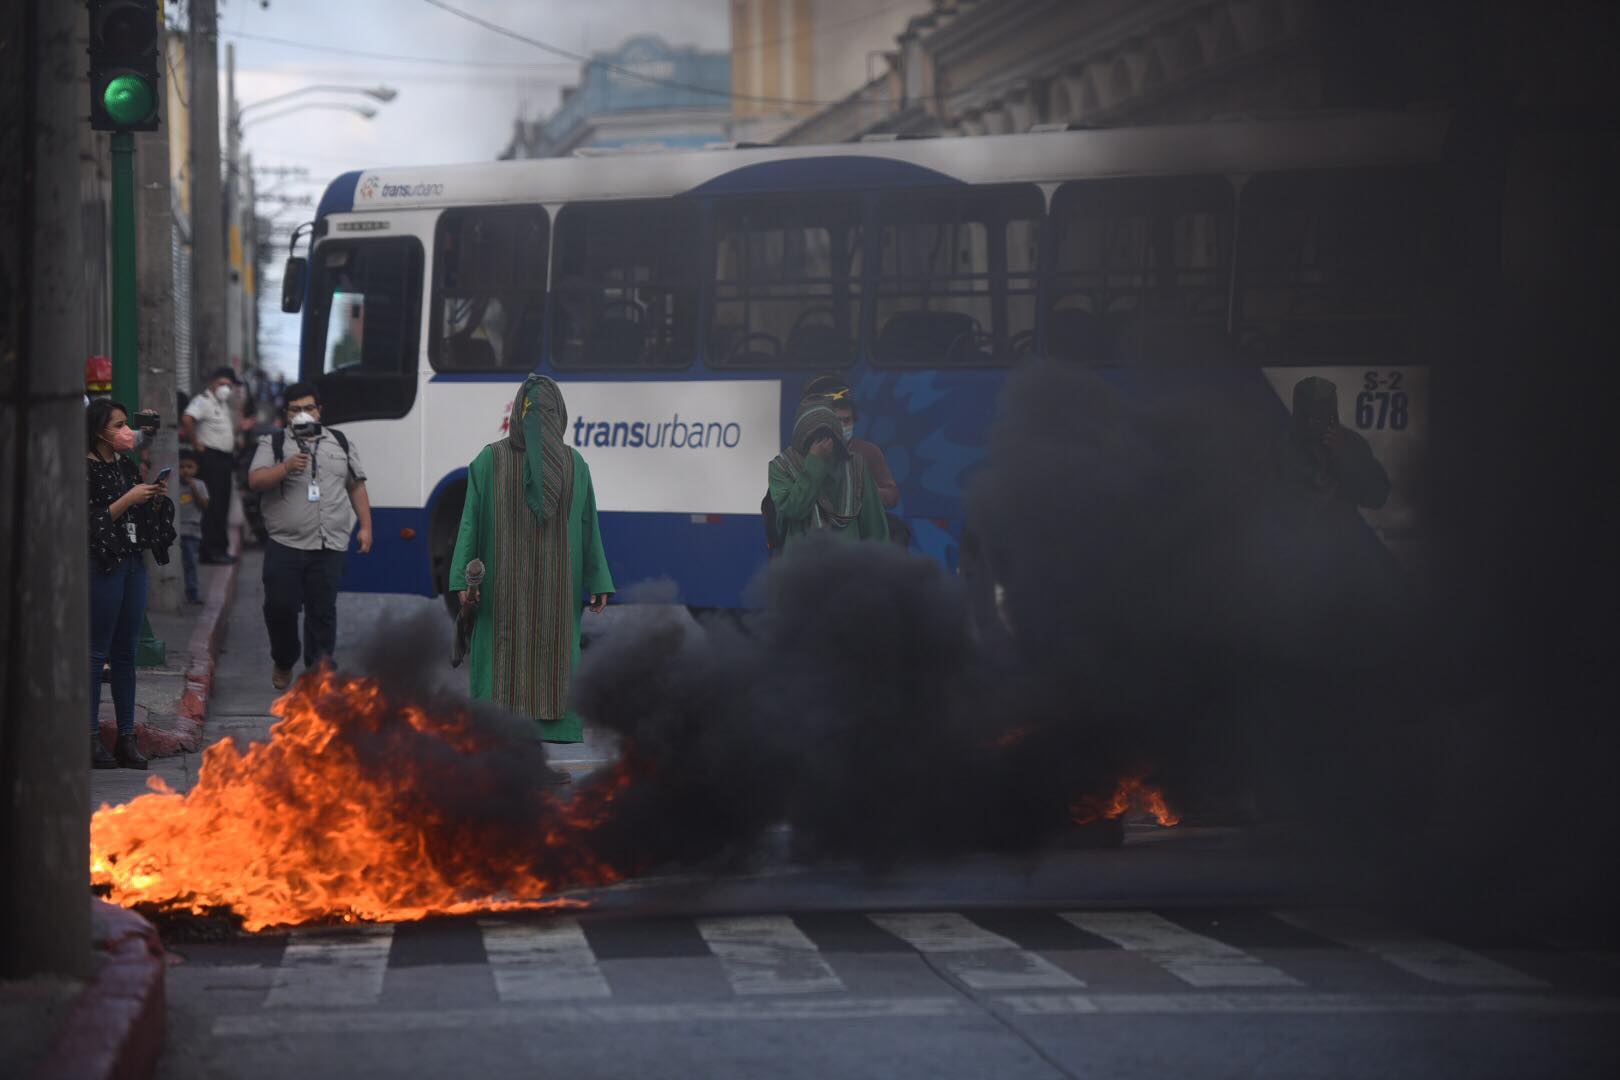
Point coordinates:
[[163, 474]]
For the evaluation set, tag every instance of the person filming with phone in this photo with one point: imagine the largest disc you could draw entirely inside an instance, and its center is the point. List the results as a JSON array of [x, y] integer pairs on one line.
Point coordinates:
[[127, 519], [312, 491]]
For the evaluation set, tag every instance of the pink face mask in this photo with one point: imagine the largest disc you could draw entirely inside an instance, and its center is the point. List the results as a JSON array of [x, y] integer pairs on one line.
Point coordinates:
[[123, 439]]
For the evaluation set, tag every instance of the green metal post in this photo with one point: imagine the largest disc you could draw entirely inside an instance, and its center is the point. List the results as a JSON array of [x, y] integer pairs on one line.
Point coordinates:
[[149, 651]]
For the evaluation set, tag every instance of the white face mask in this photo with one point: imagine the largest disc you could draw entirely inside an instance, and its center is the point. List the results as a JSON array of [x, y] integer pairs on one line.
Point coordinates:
[[849, 432], [223, 392], [302, 418]]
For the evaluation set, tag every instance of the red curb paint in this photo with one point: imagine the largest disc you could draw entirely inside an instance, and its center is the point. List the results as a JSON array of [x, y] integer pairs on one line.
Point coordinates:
[[116, 1027]]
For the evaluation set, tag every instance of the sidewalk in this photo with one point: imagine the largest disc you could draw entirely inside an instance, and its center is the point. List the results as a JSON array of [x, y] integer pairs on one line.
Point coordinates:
[[112, 1024]]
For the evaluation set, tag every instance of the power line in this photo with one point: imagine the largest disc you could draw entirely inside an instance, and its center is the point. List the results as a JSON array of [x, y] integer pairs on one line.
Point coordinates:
[[628, 73], [393, 57]]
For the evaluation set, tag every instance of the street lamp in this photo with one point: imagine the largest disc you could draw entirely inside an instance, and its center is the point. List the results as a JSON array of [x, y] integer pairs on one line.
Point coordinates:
[[384, 94], [365, 112]]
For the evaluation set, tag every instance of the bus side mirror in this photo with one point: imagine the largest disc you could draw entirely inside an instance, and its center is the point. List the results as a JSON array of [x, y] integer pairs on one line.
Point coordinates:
[[293, 280]]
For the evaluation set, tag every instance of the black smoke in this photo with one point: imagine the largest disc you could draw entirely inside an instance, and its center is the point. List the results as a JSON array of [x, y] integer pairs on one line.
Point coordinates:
[[1123, 609]]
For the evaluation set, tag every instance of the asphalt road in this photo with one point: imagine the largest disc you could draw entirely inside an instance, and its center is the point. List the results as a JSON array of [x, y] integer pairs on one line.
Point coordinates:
[[1184, 953]]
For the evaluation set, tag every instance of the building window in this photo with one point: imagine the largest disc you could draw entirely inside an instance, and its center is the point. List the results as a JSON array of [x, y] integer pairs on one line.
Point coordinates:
[[489, 289], [626, 285], [786, 284]]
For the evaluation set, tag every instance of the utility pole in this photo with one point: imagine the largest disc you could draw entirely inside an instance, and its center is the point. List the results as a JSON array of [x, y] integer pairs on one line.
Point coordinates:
[[154, 269], [207, 219], [233, 222], [44, 615]]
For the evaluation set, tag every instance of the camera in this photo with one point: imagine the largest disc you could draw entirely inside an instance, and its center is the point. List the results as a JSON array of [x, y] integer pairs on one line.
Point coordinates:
[[146, 420], [306, 429]]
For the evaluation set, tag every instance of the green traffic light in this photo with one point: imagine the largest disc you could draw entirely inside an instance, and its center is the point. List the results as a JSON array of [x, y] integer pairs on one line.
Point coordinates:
[[128, 99]]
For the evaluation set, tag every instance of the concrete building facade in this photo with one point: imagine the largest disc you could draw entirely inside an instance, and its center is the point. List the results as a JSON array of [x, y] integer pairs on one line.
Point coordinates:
[[791, 57]]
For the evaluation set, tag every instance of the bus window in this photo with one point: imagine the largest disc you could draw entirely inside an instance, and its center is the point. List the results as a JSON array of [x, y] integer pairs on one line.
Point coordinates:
[[1331, 265], [1142, 272], [361, 327], [786, 284], [949, 294], [626, 285], [489, 289]]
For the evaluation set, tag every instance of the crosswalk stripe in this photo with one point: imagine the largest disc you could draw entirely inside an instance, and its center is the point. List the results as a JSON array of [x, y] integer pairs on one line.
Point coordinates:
[[542, 961], [768, 954], [1437, 961], [980, 959], [1193, 958], [326, 967]]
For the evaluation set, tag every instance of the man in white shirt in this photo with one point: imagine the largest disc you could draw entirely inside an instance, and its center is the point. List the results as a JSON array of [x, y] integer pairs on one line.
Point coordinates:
[[211, 423]]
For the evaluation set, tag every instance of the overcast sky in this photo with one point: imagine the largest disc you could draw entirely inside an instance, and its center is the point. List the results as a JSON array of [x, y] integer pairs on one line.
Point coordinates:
[[458, 108]]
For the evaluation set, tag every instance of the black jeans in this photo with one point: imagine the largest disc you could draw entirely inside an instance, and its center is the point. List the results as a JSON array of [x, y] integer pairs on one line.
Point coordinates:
[[296, 579], [217, 469]]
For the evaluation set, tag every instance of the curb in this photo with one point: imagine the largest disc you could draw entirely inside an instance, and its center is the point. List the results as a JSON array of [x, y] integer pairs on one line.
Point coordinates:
[[116, 1026], [184, 736]]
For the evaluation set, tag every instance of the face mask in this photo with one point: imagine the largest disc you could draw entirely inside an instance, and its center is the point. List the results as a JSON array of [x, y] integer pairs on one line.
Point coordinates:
[[298, 418], [123, 439], [849, 432], [222, 392]]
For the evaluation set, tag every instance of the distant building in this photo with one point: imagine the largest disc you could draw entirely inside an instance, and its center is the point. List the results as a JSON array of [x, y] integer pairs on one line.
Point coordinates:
[[645, 94], [989, 67], [788, 55]]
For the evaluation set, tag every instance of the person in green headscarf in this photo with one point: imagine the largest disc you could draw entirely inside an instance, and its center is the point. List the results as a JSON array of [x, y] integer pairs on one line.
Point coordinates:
[[530, 516], [816, 484]]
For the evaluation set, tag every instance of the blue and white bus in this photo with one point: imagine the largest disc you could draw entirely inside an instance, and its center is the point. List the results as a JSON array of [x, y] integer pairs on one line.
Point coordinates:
[[682, 299]]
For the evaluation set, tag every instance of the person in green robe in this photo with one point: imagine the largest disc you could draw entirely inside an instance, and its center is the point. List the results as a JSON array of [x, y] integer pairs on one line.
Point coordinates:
[[530, 516], [816, 484]]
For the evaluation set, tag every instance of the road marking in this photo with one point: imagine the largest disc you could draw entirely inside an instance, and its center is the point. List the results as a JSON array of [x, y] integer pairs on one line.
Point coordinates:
[[980, 959], [1283, 1001], [542, 961], [768, 954], [360, 1021], [327, 967], [1437, 961], [1193, 958]]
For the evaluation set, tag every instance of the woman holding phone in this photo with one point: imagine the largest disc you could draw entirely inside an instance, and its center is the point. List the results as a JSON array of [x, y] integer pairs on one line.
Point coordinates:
[[127, 518]]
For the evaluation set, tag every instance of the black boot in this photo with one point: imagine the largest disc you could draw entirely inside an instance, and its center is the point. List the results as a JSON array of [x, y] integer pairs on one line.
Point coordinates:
[[128, 754], [99, 758]]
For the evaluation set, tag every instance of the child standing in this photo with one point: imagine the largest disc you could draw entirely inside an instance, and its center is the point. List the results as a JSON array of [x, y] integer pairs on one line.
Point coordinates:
[[193, 501]]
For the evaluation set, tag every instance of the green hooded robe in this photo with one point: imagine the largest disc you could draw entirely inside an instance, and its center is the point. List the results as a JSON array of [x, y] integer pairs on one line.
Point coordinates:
[[530, 515], [812, 493]]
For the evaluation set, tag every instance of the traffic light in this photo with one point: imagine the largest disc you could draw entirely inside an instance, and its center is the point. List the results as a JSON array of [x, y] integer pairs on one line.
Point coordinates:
[[125, 50]]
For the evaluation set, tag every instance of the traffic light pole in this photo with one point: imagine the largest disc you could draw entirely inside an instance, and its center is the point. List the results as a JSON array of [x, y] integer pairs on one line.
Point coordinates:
[[126, 373], [149, 651]]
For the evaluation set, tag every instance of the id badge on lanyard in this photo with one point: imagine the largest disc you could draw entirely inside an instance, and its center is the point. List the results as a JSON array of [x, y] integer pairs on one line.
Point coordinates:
[[130, 531]]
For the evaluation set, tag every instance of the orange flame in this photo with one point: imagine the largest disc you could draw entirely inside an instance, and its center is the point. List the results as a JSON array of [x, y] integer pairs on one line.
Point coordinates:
[[301, 829], [1132, 793]]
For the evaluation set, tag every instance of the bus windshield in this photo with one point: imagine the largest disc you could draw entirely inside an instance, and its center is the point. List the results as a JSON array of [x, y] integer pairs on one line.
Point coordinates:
[[362, 327]]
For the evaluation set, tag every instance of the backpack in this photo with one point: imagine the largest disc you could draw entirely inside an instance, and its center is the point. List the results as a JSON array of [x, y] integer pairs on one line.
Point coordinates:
[[278, 445]]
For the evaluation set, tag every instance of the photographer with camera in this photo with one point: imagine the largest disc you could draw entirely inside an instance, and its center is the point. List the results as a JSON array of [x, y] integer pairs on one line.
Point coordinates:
[[817, 484], [312, 489]]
